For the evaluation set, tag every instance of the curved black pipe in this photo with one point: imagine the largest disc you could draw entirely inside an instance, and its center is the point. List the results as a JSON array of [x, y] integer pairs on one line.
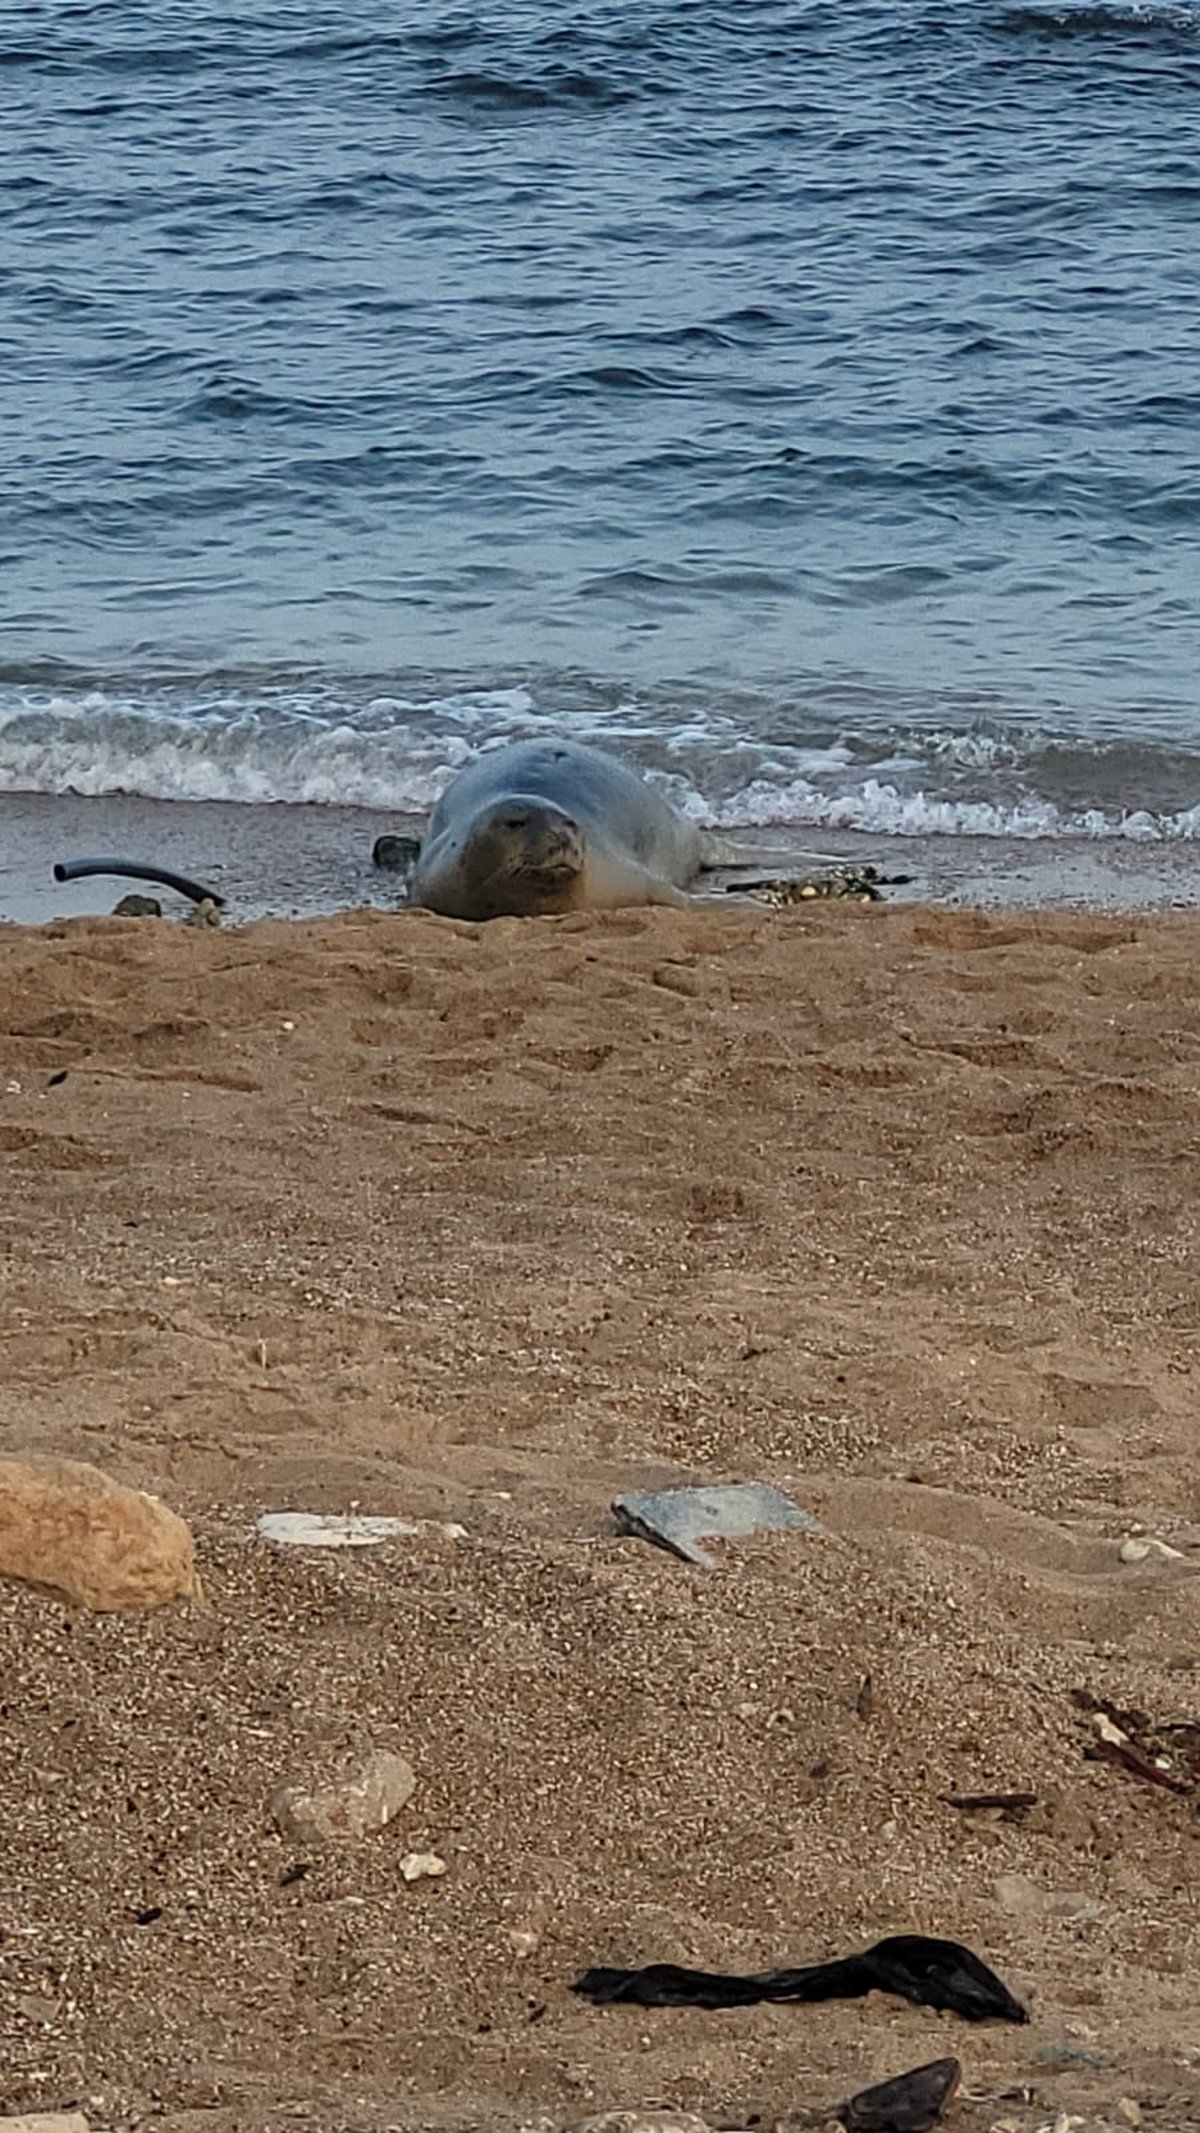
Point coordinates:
[[76, 869]]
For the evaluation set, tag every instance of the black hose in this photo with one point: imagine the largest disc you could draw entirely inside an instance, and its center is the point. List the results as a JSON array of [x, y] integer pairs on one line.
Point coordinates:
[[76, 869]]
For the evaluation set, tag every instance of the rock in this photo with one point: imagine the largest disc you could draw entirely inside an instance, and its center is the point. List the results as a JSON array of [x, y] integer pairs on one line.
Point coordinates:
[[72, 1531], [1130, 2110], [909, 2103], [422, 1866], [678, 1519], [394, 853], [1143, 1548], [641, 2122], [1016, 1892], [46, 2122], [138, 907], [204, 913], [345, 1529], [1061, 2055], [354, 1800]]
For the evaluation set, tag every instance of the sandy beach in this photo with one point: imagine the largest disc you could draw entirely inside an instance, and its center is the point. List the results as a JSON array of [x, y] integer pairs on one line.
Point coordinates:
[[893, 1207]]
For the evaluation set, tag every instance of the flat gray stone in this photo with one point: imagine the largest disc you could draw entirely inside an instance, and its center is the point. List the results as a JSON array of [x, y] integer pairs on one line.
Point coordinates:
[[677, 1519]]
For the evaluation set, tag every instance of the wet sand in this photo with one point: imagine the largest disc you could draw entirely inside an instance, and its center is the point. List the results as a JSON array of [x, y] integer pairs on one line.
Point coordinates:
[[300, 861]]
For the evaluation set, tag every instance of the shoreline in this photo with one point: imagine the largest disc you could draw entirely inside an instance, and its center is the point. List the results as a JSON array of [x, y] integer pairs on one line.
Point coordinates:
[[303, 861]]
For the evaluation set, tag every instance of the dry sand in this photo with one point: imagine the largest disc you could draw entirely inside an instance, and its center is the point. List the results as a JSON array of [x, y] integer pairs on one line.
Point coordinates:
[[894, 1208]]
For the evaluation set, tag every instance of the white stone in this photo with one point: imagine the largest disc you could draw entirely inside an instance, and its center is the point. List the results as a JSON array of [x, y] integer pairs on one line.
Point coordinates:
[[346, 1529], [422, 1866]]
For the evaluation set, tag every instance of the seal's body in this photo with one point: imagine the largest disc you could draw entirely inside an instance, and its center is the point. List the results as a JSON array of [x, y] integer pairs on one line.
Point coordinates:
[[550, 826]]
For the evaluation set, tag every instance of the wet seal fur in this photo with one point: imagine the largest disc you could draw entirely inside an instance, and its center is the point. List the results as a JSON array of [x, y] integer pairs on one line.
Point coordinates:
[[547, 826]]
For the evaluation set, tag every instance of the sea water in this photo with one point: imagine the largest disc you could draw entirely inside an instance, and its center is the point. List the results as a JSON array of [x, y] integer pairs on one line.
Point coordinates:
[[803, 398]]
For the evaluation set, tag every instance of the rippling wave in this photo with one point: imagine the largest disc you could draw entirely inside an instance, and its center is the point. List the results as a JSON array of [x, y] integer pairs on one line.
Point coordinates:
[[829, 370], [736, 765]]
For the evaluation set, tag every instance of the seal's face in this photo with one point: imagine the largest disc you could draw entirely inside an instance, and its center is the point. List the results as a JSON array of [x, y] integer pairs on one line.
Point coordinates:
[[525, 856]]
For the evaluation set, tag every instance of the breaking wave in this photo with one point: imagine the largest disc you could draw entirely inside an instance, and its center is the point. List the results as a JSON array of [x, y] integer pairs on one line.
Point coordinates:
[[316, 744]]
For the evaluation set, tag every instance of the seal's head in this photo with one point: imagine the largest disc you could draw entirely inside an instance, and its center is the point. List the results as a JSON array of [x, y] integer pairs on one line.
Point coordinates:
[[524, 856]]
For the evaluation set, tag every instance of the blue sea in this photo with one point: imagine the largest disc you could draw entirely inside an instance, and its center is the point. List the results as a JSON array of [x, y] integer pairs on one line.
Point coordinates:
[[804, 398]]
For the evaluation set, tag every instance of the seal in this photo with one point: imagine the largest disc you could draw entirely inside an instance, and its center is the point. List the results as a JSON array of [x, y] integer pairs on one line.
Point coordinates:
[[545, 826]]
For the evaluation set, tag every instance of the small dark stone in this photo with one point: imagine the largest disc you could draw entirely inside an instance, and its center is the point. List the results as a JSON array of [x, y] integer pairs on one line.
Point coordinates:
[[909, 2104], [395, 853], [137, 907]]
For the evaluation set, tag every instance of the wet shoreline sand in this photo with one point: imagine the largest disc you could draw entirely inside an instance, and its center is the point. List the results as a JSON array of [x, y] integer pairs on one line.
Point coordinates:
[[291, 861]]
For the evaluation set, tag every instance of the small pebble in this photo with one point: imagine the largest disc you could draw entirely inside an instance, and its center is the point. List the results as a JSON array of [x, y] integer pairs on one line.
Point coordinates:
[[422, 1866]]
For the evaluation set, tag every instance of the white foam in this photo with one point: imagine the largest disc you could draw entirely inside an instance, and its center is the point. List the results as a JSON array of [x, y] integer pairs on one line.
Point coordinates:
[[884, 809], [395, 755], [96, 743]]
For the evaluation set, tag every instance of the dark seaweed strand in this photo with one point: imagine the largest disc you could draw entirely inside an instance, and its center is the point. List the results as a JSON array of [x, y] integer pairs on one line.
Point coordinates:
[[930, 1973], [76, 869]]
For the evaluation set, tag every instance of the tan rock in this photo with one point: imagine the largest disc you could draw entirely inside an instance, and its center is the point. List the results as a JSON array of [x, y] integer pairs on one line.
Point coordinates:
[[353, 1800], [46, 2122], [73, 1531]]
